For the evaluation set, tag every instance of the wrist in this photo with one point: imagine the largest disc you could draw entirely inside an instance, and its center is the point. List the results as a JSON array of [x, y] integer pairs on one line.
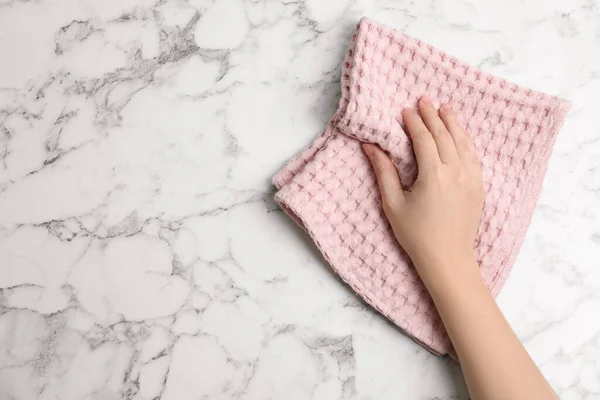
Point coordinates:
[[441, 277]]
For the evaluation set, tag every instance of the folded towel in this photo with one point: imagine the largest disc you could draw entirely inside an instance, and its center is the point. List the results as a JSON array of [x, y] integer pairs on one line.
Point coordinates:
[[330, 190]]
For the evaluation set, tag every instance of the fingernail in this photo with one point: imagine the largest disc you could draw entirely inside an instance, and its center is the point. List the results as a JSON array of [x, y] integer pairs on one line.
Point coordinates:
[[368, 149], [426, 100]]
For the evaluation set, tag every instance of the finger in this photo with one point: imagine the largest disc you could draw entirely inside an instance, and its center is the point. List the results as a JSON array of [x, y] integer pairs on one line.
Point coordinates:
[[423, 143], [464, 144], [444, 142], [387, 177]]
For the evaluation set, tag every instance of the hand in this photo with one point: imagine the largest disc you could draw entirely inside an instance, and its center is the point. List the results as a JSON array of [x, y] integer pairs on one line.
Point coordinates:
[[435, 221]]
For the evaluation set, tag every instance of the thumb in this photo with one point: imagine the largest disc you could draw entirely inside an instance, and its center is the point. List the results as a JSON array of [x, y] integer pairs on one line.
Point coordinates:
[[388, 181]]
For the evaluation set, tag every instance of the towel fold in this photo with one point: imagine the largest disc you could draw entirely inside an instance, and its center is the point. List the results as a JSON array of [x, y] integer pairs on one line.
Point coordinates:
[[330, 190]]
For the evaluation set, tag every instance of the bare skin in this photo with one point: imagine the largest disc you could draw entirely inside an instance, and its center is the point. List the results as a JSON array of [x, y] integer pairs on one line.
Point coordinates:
[[436, 222]]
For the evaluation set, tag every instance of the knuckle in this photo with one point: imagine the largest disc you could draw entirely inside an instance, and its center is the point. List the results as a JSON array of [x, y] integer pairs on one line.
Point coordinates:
[[471, 157], [475, 161], [435, 175], [456, 121], [439, 131], [466, 144], [380, 169], [462, 139], [461, 178], [420, 134]]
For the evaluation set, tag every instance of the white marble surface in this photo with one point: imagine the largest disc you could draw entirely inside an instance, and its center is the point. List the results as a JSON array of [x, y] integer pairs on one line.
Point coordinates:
[[141, 254]]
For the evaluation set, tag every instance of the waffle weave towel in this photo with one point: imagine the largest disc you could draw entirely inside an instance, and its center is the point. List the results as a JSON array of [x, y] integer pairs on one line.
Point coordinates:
[[330, 190]]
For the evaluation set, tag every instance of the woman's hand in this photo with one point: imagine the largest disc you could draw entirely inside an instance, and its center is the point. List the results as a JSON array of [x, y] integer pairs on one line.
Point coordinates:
[[436, 221]]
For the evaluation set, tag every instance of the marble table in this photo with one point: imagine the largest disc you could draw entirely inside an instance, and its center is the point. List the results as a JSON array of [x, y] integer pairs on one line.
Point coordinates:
[[141, 254]]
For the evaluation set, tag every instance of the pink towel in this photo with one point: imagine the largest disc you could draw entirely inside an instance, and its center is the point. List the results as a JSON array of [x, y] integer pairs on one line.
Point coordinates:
[[330, 189]]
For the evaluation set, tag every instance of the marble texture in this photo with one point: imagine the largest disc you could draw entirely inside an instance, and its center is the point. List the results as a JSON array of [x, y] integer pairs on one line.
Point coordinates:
[[141, 254]]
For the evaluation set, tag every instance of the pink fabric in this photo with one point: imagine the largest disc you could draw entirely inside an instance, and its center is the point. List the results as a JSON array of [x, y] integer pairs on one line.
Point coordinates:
[[330, 190]]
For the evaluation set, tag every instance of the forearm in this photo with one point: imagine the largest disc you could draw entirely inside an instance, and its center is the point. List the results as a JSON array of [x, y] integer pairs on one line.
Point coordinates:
[[495, 364]]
